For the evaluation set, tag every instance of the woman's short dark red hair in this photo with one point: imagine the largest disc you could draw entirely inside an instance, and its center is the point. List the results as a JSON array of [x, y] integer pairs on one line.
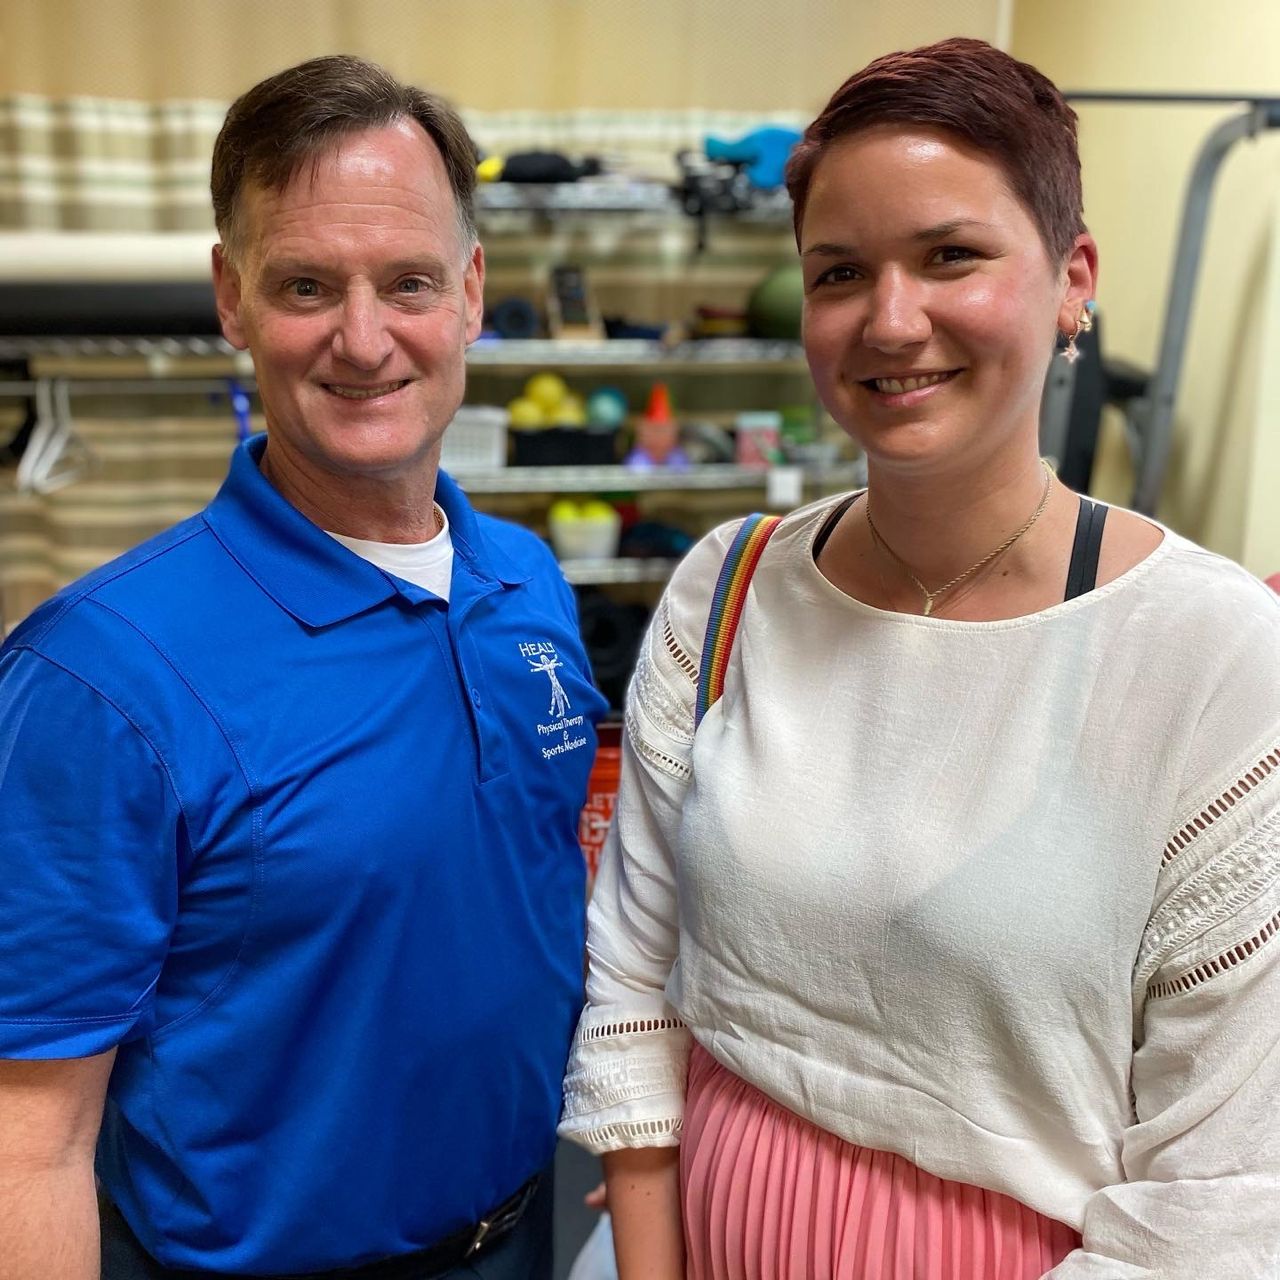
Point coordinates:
[[970, 88]]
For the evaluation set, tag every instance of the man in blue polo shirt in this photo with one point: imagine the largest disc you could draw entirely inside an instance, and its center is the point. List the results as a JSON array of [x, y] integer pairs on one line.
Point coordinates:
[[291, 903]]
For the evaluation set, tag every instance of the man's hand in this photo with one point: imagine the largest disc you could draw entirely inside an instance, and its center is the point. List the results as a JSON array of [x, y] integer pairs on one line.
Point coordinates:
[[50, 1114]]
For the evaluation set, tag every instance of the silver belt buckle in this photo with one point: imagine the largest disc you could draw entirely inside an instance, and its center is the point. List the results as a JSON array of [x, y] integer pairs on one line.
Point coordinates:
[[482, 1231]]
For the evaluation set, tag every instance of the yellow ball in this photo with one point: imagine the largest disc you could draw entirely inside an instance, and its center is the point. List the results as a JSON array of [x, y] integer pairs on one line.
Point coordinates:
[[571, 412], [524, 412], [563, 509], [546, 390]]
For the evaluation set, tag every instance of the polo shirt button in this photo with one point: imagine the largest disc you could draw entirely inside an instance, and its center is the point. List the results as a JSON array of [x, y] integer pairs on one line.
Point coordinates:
[[475, 696]]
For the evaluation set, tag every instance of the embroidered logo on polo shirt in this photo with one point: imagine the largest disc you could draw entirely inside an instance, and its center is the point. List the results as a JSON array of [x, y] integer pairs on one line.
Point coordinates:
[[543, 659]]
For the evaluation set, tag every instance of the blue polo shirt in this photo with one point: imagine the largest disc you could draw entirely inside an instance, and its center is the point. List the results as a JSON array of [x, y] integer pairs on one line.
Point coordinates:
[[300, 839]]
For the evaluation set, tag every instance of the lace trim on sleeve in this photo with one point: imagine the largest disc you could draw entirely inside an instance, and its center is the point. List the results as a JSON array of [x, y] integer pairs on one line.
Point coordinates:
[[601, 1085], [663, 705], [678, 769], [1219, 808], [659, 710], [1219, 892], [626, 1083], [632, 1027], [673, 647], [1221, 963], [637, 1133]]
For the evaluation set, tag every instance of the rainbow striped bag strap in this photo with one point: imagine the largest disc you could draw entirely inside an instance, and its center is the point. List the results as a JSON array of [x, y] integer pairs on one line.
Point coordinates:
[[726, 607]]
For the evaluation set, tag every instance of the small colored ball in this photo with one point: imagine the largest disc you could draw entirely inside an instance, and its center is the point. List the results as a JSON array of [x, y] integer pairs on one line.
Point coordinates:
[[607, 407], [546, 390]]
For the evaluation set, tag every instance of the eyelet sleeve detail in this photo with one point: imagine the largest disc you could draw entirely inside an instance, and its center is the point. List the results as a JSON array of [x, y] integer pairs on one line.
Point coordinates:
[[1203, 1144], [1219, 894], [1191, 830], [625, 1082], [675, 650], [1217, 965]]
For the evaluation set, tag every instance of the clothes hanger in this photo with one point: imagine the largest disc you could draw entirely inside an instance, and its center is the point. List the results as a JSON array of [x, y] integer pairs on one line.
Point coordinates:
[[55, 456]]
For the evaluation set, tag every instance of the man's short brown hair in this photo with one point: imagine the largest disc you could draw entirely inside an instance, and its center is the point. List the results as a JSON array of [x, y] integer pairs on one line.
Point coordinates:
[[297, 115]]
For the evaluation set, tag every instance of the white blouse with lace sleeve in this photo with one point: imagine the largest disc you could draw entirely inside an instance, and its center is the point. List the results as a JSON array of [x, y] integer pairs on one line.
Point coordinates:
[[1002, 898], [1200, 1195], [626, 1079]]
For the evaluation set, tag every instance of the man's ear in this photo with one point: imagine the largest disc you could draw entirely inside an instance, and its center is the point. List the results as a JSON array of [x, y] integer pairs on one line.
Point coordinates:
[[473, 290], [226, 293]]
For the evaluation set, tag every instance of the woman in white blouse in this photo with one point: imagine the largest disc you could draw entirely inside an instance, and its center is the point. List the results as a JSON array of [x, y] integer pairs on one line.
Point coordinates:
[[949, 945]]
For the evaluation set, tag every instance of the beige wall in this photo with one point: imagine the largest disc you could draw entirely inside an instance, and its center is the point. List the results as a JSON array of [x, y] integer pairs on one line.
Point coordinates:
[[486, 54], [1136, 164], [761, 55]]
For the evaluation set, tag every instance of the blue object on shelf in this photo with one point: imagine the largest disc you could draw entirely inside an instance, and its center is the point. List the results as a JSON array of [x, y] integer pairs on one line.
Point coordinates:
[[240, 406], [763, 152]]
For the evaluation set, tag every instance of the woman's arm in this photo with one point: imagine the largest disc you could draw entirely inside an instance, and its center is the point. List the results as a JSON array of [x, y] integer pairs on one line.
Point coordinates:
[[1201, 1195], [625, 1084], [644, 1203]]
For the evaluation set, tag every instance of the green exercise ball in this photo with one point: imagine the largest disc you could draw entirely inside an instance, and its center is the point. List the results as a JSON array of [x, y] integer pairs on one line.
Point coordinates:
[[774, 308]]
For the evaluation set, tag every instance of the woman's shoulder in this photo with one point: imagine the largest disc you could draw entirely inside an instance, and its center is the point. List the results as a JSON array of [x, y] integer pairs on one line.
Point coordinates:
[[1208, 590], [687, 599], [1218, 652]]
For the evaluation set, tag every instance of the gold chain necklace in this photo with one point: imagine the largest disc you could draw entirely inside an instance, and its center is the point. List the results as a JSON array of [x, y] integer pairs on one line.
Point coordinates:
[[931, 596]]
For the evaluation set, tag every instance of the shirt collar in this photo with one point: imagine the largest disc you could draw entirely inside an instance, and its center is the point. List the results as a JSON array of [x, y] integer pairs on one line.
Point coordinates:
[[309, 574]]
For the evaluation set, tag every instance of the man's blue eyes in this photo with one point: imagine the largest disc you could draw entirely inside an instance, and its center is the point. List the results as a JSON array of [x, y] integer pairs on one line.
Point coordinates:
[[411, 286]]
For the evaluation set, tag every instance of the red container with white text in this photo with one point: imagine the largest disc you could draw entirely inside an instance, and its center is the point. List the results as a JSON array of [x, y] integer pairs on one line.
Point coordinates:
[[602, 795]]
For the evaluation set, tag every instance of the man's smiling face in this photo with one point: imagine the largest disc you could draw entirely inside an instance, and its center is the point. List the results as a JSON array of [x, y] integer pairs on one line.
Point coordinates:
[[356, 294]]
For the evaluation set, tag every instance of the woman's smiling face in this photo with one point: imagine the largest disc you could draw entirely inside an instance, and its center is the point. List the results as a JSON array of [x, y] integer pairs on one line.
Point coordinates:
[[930, 301]]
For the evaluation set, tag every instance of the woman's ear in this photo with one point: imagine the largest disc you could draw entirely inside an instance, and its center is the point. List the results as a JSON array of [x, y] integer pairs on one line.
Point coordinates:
[[1080, 276]]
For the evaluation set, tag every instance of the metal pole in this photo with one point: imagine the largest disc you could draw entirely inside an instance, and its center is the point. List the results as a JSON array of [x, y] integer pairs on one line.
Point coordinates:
[[1156, 431]]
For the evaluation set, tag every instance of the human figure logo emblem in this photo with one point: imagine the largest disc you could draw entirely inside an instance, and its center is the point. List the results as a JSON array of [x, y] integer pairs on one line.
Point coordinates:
[[559, 699]]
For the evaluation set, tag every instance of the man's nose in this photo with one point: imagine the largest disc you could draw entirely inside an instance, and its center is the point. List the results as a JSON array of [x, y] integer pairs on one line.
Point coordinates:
[[897, 317], [362, 338]]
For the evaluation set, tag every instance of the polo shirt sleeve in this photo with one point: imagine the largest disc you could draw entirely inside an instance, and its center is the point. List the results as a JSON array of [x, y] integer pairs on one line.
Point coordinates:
[[88, 866]]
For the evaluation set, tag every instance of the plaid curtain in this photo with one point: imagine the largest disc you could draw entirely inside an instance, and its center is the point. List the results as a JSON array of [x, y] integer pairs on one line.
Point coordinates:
[[102, 164], [147, 474], [97, 164]]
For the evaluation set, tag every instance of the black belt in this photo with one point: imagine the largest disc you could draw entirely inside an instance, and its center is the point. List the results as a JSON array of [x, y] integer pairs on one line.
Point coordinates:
[[453, 1251]]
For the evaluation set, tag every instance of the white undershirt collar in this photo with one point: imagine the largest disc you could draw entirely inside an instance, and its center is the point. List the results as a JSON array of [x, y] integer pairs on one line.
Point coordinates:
[[428, 565]]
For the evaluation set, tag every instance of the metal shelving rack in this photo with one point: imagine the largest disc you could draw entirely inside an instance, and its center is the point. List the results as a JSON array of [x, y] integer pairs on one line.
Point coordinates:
[[614, 195], [714, 476], [709, 355], [612, 573], [714, 355]]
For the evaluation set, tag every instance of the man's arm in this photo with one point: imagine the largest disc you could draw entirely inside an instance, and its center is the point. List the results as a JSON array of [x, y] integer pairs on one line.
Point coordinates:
[[50, 1113]]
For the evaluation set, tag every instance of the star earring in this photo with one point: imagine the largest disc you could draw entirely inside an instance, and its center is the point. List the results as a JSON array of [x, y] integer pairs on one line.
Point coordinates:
[[1084, 324]]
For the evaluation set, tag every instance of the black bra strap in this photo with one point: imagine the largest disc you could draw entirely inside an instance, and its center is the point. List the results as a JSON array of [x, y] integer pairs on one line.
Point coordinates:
[[1082, 576], [829, 524]]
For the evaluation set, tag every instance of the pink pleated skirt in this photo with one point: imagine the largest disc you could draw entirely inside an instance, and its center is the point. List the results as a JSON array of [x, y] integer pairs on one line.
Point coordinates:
[[769, 1196]]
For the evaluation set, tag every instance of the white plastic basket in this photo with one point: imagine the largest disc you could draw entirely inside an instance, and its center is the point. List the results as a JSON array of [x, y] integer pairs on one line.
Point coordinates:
[[476, 440]]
